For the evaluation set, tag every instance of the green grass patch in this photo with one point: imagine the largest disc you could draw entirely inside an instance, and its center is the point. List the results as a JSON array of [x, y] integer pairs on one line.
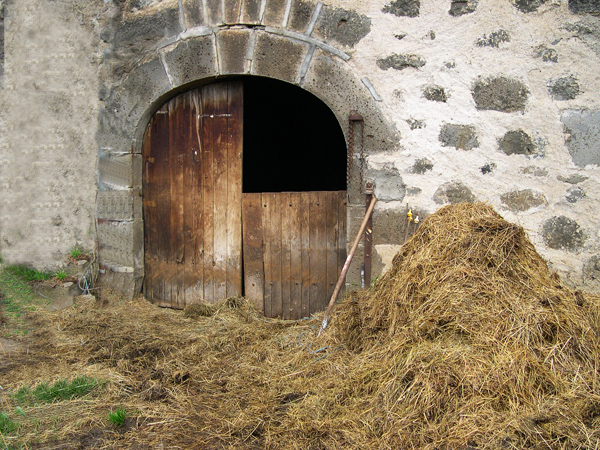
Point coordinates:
[[28, 274], [117, 417], [76, 252], [61, 390], [16, 298], [7, 426], [61, 274]]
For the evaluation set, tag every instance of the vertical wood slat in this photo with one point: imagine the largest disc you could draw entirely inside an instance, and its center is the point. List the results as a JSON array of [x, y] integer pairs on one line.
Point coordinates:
[[160, 144], [305, 254], [295, 222], [342, 236], [317, 252], [252, 227], [276, 255], [220, 159], [331, 241], [176, 245], [267, 254], [286, 252], [208, 96], [235, 112]]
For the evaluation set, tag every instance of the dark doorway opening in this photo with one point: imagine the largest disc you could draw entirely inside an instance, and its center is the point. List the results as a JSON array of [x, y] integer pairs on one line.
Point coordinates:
[[292, 140]]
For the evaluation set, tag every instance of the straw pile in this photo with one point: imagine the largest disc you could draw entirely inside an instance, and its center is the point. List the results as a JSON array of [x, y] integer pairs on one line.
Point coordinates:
[[468, 342]]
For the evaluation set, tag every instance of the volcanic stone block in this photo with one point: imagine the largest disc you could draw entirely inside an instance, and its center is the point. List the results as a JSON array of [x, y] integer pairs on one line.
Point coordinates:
[[517, 143], [192, 13], [453, 192], [344, 26], [574, 194], [389, 185], [535, 171], [277, 57], [274, 12], [572, 179], [462, 7], [233, 45], [591, 268], [251, 11], [500, 94], [459, 136], [584, 6], [421, 166], [547, 54], [522, 200], [145, 29], [128, 103], [562, 233], [191, 59], [565, 88], [300, 15], [435, 94], [527, 6], [494, 39], [121, 242], [487, 168], [583, 136], [117, 205], [408, 8], [400, 62]]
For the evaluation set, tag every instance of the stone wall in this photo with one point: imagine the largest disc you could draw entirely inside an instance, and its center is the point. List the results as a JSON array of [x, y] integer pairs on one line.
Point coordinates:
[[475, 100]]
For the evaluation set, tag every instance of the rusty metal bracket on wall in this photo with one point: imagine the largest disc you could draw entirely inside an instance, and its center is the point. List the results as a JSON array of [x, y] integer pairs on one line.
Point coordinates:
[[356, 119]]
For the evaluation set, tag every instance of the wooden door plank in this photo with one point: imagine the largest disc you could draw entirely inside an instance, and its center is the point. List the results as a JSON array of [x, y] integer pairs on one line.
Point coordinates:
[[197, 193], [177, 243], [276, 256], [304, 212], [252, 231], [295, 256], [148, 204], [321, 264], [221, 144], [267, 254], [342, 239], [331, 233], [286, 250], [189, 144], [163, 206], [208, 94], [235, 112], [313, 248]]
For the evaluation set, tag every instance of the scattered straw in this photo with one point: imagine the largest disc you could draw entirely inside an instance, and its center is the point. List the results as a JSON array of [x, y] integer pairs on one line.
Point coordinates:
[[469, 341]]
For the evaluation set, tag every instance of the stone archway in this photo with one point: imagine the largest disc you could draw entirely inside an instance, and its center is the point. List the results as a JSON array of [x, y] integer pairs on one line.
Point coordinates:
[[276, 40]]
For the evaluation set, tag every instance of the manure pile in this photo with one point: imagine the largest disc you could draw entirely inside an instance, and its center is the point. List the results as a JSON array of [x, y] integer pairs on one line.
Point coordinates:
[[469, 342]]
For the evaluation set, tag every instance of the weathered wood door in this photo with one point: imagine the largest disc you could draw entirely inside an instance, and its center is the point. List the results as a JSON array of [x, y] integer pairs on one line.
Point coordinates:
[[294, 250], [192, 152]]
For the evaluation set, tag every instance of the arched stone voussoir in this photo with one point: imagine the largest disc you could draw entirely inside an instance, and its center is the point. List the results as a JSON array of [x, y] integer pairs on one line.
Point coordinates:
[[278, 57], [333, 81], [128, 103], [190, 59]]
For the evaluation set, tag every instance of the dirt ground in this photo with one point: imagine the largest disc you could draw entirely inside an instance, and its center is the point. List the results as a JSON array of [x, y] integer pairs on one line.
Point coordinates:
[[186, 382]]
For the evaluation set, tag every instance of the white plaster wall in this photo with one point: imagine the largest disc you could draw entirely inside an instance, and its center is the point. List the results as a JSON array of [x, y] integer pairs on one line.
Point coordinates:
[[49, 112]]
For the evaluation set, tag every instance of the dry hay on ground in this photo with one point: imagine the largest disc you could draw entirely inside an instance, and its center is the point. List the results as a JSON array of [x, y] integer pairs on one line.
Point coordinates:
[[467, 342]]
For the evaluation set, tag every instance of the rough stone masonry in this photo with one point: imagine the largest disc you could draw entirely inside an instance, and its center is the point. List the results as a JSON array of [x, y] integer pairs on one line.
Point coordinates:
[[479, 100]]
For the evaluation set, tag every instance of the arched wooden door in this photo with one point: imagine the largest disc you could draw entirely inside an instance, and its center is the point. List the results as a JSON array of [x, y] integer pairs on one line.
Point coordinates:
[[192, 192], [199, 229]]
